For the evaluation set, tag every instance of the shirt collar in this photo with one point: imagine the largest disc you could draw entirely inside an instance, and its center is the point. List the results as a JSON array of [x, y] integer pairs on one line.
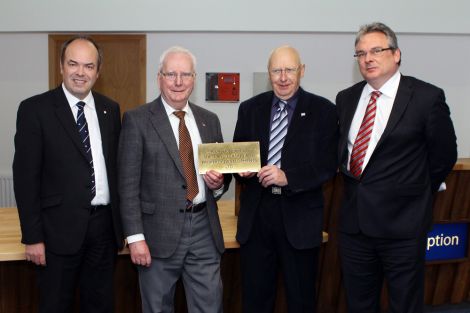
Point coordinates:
[[72, 100], [169, 110], [390, 87], [290, 102]]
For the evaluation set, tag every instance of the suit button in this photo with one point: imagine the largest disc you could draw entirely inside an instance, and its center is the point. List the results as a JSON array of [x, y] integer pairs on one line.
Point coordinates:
[[184, 186]]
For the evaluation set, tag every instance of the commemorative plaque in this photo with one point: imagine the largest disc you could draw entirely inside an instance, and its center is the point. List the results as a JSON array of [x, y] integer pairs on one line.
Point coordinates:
[[229, 157]]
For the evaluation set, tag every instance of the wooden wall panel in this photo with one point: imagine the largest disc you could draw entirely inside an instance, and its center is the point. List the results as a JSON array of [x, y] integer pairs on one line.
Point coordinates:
[[444, 282], [330, 277], [450, 282], [431, 278], [443, 202], [461, 203], [461, 284], [443, 286], [18, 292]]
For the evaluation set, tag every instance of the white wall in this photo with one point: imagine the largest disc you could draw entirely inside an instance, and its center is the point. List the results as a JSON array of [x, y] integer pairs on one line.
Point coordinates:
[[330, 66], [441, 59], [24, 72], [428, 16]]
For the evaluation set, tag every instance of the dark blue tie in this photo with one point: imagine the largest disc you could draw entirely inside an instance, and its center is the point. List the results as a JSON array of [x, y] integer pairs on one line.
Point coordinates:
[[85, 136]]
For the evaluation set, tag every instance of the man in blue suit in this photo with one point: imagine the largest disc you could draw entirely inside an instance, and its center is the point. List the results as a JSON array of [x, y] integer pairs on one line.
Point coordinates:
[[281, 206]]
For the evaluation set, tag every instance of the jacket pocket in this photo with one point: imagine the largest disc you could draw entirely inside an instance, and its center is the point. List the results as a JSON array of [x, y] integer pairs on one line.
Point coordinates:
[[411, 189], [50, 201]]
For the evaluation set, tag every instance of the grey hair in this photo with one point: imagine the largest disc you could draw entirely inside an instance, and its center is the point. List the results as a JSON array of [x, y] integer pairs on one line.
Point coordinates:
[[176, 49], [378, 28]]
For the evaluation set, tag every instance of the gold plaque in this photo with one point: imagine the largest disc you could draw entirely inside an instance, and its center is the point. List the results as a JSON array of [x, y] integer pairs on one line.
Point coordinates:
[[229, 157]]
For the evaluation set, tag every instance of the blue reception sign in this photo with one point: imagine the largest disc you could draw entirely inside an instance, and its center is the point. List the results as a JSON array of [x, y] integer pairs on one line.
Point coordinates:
[[447, 241]]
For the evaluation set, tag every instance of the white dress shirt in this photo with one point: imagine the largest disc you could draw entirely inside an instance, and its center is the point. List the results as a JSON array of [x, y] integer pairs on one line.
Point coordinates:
[[101, 178], [190, 122], [382, 114]]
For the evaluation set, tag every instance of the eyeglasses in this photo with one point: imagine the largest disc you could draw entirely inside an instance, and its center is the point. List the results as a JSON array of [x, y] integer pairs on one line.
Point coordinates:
[[289, 71], [373, 52], [185, 76]]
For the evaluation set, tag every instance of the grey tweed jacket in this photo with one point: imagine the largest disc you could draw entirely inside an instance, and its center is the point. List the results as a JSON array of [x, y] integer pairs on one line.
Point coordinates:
[[151, 180]]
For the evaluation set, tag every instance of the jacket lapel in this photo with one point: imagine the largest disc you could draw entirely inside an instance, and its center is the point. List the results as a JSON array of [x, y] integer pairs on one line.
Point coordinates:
[[103, 121], [402, 99], [161, 124], [348, 115], [204, 132], [302, 109], [350, 106], [264, 112], [66, 118]]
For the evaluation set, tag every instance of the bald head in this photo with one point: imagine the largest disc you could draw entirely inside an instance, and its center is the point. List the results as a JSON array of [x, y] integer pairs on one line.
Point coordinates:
[[284, 52], [285, 71]]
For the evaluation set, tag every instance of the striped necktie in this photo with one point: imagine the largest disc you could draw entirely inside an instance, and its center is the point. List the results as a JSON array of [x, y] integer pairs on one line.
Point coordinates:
[[278, 133], [363, 136], [85, 136]]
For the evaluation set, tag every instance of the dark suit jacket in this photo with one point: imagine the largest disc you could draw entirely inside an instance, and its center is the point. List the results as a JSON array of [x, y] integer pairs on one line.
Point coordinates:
[[51, 173], [393, 197], [151, 179], [308, 160]]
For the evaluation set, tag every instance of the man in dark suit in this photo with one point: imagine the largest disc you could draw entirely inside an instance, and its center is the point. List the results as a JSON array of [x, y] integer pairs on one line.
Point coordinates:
[[66, 193], [281, 207], [169, 212], [397, 145]]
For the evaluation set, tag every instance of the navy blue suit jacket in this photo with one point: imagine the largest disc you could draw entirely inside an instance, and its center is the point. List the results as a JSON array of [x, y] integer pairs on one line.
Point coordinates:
[[52, 175], [393, 197], [308, 160]]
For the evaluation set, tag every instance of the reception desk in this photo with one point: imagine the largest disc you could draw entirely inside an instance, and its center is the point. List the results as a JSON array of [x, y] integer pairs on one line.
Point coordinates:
[[17, 278], [446, 282], [11, 248]]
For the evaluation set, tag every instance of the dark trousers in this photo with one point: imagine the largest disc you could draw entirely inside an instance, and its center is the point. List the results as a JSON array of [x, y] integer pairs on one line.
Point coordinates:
[[367, 261], [269, 250], [91, 269]]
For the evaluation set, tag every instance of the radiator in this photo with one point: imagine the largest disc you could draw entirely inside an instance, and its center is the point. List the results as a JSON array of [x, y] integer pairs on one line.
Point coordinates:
[[7, 195]]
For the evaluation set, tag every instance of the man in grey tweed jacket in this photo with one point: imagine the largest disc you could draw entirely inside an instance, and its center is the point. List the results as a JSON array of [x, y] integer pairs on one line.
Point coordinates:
[[169, 236]]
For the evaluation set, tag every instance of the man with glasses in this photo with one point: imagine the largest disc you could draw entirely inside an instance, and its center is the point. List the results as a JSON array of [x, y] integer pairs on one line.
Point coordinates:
[[280, 220], [397, 145], [169, 212]]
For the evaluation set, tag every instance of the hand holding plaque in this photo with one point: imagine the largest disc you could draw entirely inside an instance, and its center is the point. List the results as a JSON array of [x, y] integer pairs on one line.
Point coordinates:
[[229, 157]]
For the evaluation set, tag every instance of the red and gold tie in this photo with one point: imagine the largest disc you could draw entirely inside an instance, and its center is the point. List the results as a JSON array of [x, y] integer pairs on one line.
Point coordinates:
[[363, 136]]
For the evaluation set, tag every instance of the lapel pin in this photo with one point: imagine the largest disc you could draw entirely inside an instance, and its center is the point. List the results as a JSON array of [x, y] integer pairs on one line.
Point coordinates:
[[302, 114], [104, 112], [203, 124]]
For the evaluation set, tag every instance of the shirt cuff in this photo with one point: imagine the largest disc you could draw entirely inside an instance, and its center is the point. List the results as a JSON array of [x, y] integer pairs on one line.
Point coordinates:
[[442, 187], [135, 238], [217, 193]]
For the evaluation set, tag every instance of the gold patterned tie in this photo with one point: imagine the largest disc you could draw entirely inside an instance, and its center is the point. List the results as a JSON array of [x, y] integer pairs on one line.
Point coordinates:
[[187, 157]]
